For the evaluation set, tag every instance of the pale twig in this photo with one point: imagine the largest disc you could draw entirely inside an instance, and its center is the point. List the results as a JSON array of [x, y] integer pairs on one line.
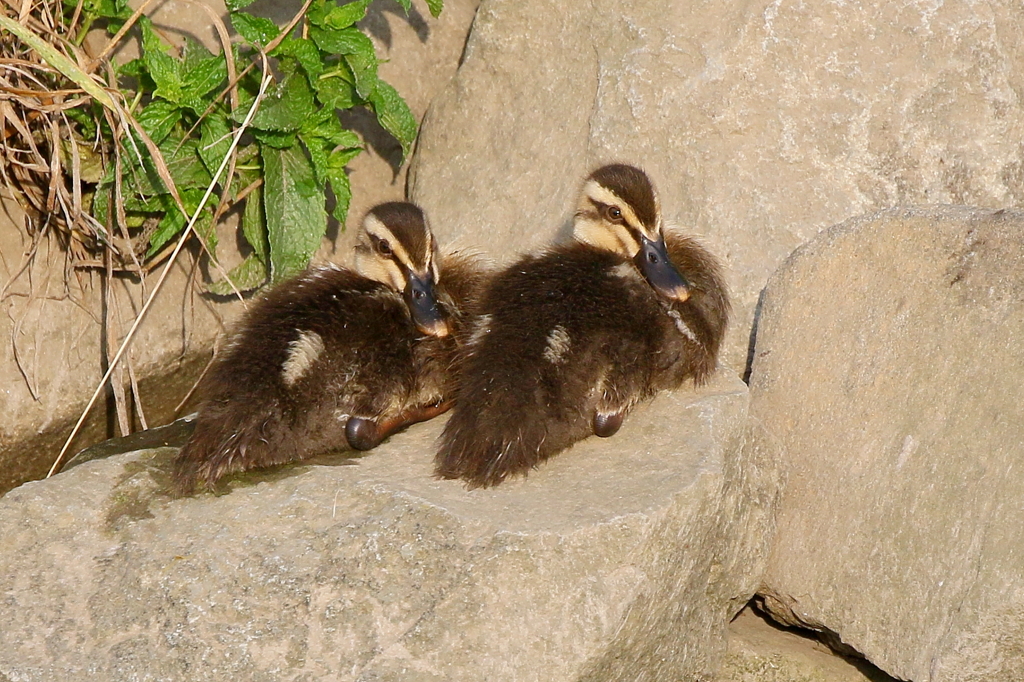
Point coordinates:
[[195, 385], [163, 275], [136, 396], [109, 339]]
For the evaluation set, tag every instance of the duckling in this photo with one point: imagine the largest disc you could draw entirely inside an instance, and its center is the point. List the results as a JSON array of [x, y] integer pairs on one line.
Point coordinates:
[[335, 358], [570, 340]]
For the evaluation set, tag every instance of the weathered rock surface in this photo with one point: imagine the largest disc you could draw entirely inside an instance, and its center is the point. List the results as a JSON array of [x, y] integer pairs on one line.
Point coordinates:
[[761, 652], [887, 373], [761, 122], [620, 559]]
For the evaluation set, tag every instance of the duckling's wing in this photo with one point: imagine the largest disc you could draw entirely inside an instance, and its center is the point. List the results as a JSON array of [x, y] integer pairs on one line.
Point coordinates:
[[321, 346], [705, 315], [464, 275]]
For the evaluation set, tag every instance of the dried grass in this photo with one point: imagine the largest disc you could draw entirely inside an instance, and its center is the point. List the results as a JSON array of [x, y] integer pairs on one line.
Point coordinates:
[[44, 75]]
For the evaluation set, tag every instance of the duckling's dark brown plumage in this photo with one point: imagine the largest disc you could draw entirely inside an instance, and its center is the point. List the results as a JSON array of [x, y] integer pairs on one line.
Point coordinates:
[[313, 351], [567, 335]]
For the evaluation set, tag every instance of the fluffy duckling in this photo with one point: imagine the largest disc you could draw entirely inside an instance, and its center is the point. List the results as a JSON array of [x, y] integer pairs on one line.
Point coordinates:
[[571, 339], [335, 358]]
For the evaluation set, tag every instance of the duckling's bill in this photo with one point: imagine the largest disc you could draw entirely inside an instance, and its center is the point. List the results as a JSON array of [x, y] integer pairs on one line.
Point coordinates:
[[426, 314], [656, 266]]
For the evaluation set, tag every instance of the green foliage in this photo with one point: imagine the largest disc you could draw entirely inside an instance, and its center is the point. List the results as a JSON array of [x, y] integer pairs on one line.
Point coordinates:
[[296, 143]]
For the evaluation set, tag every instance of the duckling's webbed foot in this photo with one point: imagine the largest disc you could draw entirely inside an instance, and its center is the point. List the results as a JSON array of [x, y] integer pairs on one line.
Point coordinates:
[[365, 434], [607, 424]]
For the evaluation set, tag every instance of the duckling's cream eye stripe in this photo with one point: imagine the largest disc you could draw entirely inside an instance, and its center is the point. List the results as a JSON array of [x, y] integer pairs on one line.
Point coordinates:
[[602, 195], [604, 235], [376, 228]]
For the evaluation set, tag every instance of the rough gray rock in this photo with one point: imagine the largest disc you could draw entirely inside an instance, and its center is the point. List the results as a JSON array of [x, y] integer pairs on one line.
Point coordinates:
[[761, 122], [887, 373], [619, 559]]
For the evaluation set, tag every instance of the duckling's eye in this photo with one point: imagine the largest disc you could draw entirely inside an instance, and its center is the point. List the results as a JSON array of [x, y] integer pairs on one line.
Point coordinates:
[[613, 213], [652, 257], [383, 248]]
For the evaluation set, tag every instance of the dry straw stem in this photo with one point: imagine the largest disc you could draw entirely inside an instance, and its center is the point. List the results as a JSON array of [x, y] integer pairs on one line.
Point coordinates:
[[189, 229], [54, 55]]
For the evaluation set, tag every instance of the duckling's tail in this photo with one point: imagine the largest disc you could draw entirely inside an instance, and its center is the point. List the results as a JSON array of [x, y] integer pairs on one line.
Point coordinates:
[[495, 434], [227, 441]]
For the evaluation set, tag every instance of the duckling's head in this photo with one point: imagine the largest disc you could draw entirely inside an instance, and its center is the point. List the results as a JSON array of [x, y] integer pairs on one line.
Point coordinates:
[[618, 211], [396, 248]]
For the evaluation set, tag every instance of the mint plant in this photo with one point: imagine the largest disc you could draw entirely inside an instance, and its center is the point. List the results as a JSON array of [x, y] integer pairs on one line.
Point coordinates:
[[296, 151]]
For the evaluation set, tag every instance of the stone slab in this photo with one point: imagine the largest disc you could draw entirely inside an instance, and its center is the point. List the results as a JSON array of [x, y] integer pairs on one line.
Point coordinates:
[[888, 375], [619, 559]]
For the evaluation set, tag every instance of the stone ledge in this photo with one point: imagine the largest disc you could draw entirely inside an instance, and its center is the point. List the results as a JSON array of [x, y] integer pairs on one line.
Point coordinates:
[[624, 556]]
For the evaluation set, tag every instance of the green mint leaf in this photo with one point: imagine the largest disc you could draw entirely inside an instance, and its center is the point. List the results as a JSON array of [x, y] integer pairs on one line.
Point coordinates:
[[134, 68], [345, 15], [203, 72], [305, 52], [338, 178], [185, 164], [164, 69], [394, 115], [214, 140], [364, 68], [158, 119], [318, 9], [318, 157], [174, 221], [295, 212], [107, 9], [325, 125], [247, 275], [341, 41], [170, 225], [101, 202], [256, 30], [435, 7], [287, 108], [337, 93], [254, 224], [406, 5], [235, 5], [207, 230], [276, 139]]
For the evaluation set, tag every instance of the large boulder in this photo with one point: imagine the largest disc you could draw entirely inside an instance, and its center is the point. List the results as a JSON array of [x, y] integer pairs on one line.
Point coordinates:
[[888, 374], [619, 559], [761, 122]]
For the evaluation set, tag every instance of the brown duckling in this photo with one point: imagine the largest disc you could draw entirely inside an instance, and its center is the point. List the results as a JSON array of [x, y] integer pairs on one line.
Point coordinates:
[[335, 358], [571, 339]]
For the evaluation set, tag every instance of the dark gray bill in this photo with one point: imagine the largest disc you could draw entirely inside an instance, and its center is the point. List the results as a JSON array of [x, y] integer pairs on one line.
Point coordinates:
[[419, 296], [661, 274]]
